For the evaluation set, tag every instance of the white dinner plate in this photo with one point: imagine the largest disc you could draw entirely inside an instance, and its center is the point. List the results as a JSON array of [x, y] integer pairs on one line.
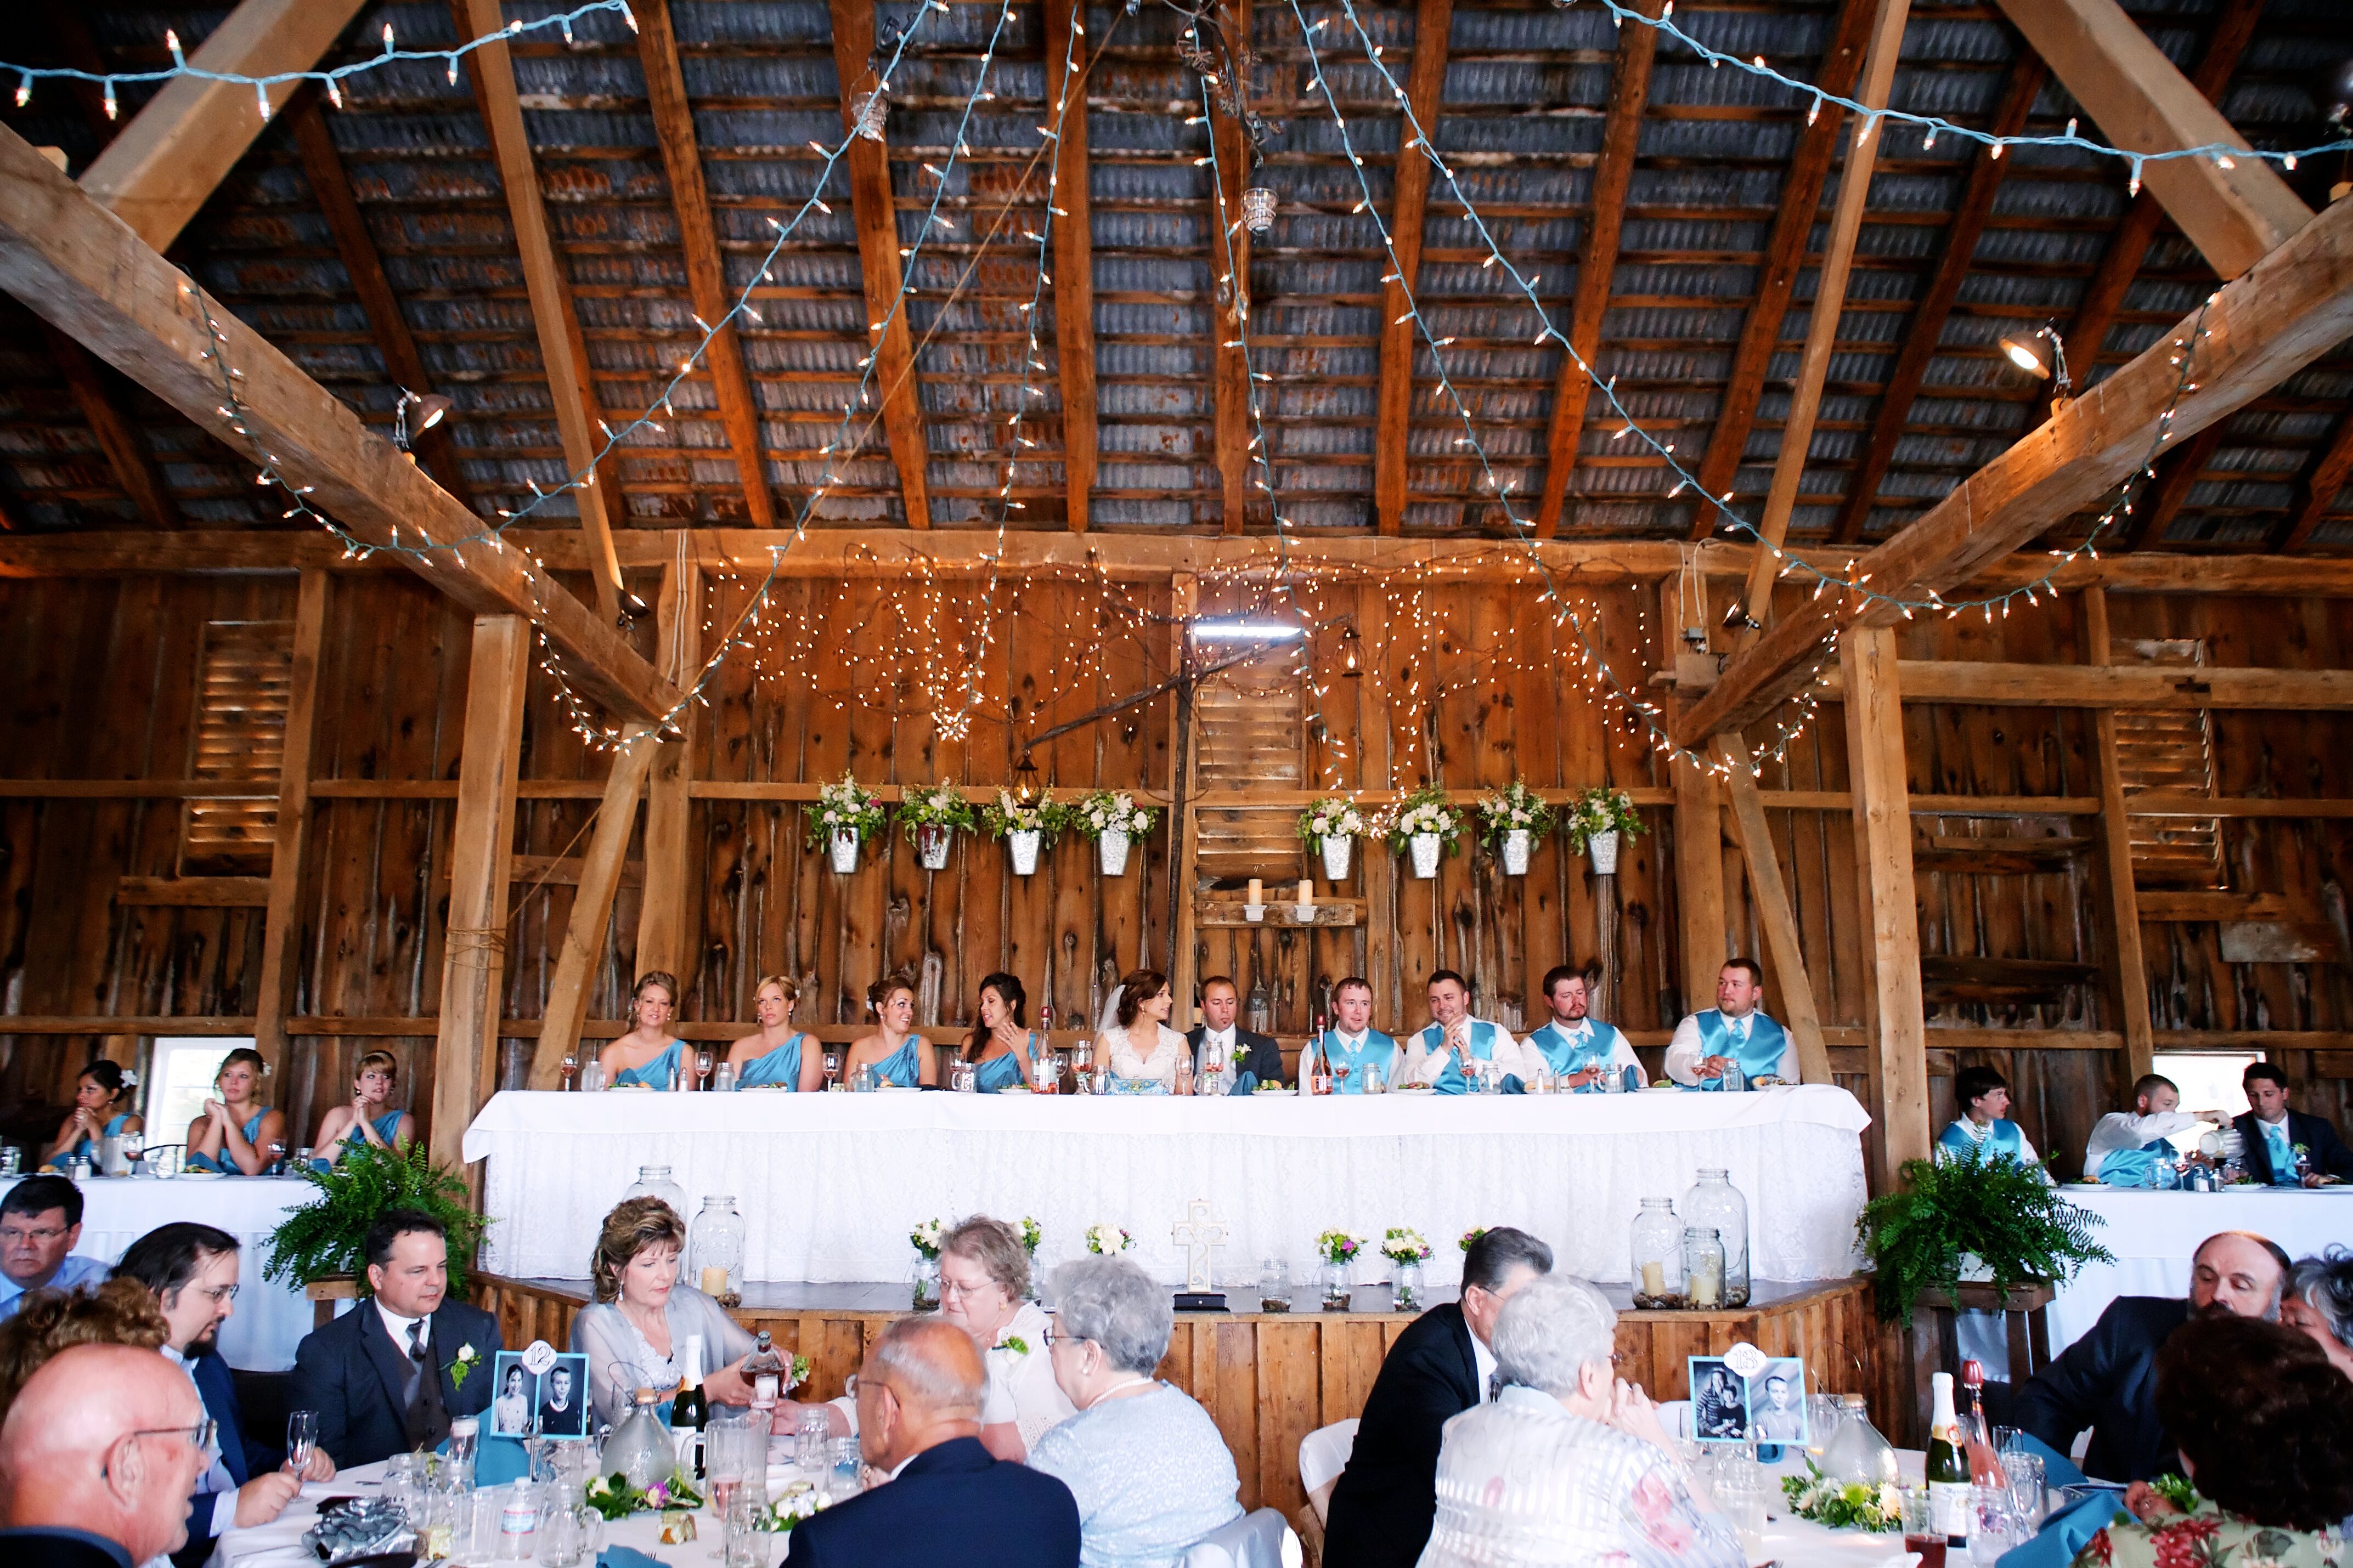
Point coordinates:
[[200, 1176], [1653, 1089], [1017, 1089], [896, 1088], [1416, 1089]]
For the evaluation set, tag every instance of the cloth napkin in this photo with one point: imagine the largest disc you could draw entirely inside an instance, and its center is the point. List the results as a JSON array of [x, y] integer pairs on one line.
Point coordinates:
[[1245, 1082], [2065, 1533], [500, 1460], [627, 1557]]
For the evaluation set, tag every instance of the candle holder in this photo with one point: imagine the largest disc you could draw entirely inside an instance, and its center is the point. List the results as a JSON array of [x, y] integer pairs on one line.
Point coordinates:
[[1658, 1256], [1303, 913]]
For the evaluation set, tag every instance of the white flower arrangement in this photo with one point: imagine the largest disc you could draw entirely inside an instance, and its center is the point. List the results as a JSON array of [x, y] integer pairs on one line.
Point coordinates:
[[1007, 814], [1512, 809], [1331, 819], [1401, 1245], [935, 805], [845, 807], [1425, 810], [1601, 811], [1111, 811], [926, 1238], [1105, 1240]]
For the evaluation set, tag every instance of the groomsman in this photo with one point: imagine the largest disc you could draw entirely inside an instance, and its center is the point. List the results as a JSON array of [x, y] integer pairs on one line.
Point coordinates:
[[1219, 1041], [1352, 1042], [1579, 1049], [1437, 1056], [1734, 1033]]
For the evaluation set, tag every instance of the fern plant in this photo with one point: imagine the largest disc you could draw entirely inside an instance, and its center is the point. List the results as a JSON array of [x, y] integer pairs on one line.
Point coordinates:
[[2004, 1212], [326, 1235]]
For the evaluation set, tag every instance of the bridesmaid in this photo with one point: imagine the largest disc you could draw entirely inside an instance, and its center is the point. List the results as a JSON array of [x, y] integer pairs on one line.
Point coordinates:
[[98, 1097], [899, 1054], [648, 1052], [778, 1054], [234, 1134], [371, 1119], [1003, 1045]]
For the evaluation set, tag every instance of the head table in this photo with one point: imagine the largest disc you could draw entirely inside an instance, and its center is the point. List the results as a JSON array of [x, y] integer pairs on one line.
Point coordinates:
[[830, 1185]]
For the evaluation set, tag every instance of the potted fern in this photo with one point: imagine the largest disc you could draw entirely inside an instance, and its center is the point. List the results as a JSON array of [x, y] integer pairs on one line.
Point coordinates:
[[1970, 1219], [323, 1238]]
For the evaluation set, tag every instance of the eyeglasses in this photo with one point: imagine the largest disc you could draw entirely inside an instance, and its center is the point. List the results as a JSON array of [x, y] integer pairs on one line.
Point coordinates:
[[17, 1233], [1061, 1337], [203, 1435], [951, 1287], [219, 1293]]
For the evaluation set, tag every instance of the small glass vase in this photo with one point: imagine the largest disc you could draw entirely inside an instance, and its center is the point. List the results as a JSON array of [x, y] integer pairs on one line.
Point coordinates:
[[1405, 1285], [926, 1283], [714, 1250], [1702, 1268], [1335, 1290], [654, 1181]]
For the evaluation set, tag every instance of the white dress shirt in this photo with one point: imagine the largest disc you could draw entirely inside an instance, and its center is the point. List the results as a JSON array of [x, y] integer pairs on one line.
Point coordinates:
[[1483, 1361], [1423, 1066], [2129, 1129], [1621, 1051], [1684, 1052], [216, 1480], [1348, 1042]]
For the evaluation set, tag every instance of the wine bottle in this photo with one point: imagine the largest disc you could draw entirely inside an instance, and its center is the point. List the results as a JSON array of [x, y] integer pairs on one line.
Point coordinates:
[[1320, 1078], [1948, 1470], [689, 1412], [764, 1369], [1985, 1465]]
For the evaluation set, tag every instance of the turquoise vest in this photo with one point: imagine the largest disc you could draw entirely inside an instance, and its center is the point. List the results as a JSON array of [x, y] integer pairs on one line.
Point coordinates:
[[655, 1074], [221, 1162], [2003, 1140], [1377, 1050], [1565, 1054], [780, 1065], [1760, 1055], [1451, 1080], [902, 1066], [1001, 1073]]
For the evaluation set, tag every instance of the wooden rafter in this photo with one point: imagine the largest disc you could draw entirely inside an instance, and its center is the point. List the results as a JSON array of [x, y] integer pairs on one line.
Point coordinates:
[[876, 216], [1785, 256], [2317, 491], [698, 240], [1230, 321], [122, 441], [1074, 257], [2177, 471], [1922, 332], [1425, 87]]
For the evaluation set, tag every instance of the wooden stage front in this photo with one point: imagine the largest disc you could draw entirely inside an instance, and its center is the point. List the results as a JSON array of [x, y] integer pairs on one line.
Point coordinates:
[[1269, 1378]]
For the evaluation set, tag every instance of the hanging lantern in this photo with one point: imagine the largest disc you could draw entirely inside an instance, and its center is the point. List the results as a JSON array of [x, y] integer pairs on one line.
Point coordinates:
[[870, 109], [1258, 209]]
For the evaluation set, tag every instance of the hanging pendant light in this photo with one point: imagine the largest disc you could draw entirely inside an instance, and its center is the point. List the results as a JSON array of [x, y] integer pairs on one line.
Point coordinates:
[[1258, 209]]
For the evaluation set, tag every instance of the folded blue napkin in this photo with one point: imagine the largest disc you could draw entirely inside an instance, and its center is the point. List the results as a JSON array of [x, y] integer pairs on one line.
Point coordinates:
[[1245, 1082], [2135, 1168], [2064, 1534], [1512, 1084], [500, 1460], [627, 1557]]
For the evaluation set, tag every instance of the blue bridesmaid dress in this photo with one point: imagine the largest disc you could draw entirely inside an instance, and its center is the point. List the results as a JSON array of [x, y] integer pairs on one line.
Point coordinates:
[[221, 1162], [654, 1074], [780, 1067], [999, 1073]]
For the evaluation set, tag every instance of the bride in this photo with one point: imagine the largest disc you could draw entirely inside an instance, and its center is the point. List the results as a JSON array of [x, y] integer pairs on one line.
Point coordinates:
[[1142, 1048]]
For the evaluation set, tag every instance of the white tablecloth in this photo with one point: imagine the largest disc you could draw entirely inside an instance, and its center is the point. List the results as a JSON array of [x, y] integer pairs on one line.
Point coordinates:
[[2153, 1235], [830, 1184], [270, 1318]]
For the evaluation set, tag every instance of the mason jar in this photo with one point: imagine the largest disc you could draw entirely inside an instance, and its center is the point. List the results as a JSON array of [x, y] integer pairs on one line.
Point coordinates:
[[1702, 1268], [654, 1181], [714, 1250], [1713, 1202], [1658, 1256]]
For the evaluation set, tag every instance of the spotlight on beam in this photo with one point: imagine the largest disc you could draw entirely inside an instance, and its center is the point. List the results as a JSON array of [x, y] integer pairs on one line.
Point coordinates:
[[416, 413], [2022, 350]]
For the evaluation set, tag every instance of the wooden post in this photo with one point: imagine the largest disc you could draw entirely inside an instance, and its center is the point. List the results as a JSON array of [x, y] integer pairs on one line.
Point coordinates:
[[1791, 990], [482, 842], [1373, 772], [276, 992], [1883, 860], [1184, 591], [2127, 978], [1698, 848], [592, 908], [661, 917]]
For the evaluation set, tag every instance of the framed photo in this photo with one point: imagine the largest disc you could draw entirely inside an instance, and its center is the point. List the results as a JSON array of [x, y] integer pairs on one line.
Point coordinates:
[[1719, 1402], [562, 1407], [514, 1396], [1776, 1402]]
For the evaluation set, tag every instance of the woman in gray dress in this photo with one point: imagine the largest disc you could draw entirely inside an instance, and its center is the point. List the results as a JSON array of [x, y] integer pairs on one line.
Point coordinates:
[[635, 1334]]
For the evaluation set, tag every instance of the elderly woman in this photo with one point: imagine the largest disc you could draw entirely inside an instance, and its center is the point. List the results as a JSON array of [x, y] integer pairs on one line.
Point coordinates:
[[2319, 1300], [985, 1291], [1148, 1465], [1567, 1463], [635, 1334]]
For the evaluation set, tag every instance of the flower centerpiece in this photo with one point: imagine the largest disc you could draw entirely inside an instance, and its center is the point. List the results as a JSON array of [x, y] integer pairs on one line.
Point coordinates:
[[1425, 825], [1105, 1240], [1032, 1232], [933, 814], [1024, 824], [1338, 1251], [844, 816], [925, 1238], [1508, 819], [1974, 1217], [1110, 818], [778, 1518], [1598, 821], [1407, 1252], [1333, 826], [614, 1498], [1468, 1236], [1844, 1505]]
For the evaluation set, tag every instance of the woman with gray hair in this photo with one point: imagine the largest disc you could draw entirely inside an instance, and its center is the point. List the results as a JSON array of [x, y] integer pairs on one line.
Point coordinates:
[[1569, 1463], [985, 1291], [2319, 1301], [1151, 1472]]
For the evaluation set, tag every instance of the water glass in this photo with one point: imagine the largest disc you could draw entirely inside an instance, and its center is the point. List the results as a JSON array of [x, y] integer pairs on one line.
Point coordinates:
[[1921, 1532], [1993, 1525], [722, 1080], [1824, 1415], [405, 1484], [742, 1545], [301, 1438], [811, 1433], [845, 1478], [2029, 1496], [1741, 1489], [567, 1535]]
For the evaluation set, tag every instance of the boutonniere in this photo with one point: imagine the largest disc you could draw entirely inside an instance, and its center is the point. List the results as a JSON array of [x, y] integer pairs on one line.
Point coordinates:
[[1015, 1343], [465, 1361], [1241, 1051]]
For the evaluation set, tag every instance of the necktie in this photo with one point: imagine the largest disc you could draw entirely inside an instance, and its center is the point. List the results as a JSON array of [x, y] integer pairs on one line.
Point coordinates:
[[415, 1382]]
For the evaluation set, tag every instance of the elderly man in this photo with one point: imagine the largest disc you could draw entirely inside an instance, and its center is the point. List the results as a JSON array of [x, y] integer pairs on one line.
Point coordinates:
[[2108, 1379], [40, 1224], [97, 1456], [1440, 1367], [1566, 1464], [1442, 1056], [948, 1500]]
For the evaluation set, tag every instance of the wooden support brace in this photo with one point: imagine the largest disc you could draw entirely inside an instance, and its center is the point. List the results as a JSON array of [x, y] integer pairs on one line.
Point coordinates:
[[2128, 975], [1792, 992], [592, 908], [1074, 263], [669, 871], [274, 994], [1231, 320], [1184, 591], [1883, 860]]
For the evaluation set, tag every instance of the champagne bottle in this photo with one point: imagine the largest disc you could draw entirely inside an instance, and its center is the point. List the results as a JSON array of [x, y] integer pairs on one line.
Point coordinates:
[[1985, 1465], [689, 1412], [1948, 1470]]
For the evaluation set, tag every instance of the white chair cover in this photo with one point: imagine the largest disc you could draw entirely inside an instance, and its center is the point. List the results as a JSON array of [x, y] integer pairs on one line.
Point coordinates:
[[1258, 1539], [1324, 1454], [1674, 1415]]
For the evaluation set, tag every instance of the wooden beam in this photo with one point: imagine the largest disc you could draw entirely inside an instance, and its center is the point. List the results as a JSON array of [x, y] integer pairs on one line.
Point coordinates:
[[481, 837], [2126, 974], [2117, 686], [332, 185], [698, 241], [1769, 894], [1184, 966], [1376, 771], [122, 441], [1425, 89], [1786, 249], [280, 928], [1957, 255], [87, 275], [1698, 827], [2291, 308], [1596, 262], [876, 212], [2234, 216], [583, 952], [562, 354], [1229, 321], [2177, 472], [193, 892], [1074, 256], [174, 153], [2316, 491], [670, 863], [1882, 862]]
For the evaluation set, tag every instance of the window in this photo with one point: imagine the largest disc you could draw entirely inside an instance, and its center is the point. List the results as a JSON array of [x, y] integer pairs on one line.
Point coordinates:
[[242, 686], [2209, 1079], [179, 1081]]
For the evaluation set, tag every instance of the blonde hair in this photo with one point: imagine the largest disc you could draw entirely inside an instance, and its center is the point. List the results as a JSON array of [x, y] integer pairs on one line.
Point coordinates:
[[784, 982], [634, 1225], [373, 1059]]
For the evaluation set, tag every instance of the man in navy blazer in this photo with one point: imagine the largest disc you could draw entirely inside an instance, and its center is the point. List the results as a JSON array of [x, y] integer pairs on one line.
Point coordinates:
[[2270, 1129], [940, 1497], [387, 1377]]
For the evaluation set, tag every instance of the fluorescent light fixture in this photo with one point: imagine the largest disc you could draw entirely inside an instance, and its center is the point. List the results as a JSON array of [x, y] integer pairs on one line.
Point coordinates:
[[1246, 631]]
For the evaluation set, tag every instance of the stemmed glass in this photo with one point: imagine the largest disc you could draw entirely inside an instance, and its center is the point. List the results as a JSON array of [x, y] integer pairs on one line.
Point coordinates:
[[276, 1159], [571, 1066], [832, 1068], [301, 1439], [701, 1066], [1339, 1075]]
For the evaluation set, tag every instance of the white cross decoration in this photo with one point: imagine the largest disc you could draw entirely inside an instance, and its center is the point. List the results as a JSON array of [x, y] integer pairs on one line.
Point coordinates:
[[1198, 1233]]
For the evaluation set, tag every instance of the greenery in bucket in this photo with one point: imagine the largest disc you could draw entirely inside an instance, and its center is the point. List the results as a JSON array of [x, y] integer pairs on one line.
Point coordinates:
[[2006, 1215]]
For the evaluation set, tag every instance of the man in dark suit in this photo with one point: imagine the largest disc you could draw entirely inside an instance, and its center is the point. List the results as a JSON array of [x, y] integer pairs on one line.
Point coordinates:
[[2108, 1379], [1440, 1367], [98, 1455], [948, 1500], [386, 1376], [1219, 1038], [2271, 1133]]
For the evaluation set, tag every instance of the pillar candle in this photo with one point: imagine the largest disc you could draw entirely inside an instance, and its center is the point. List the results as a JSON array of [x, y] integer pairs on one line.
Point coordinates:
[[1256, 889], [1655, 1279], [1306, 894], [715, 1281]]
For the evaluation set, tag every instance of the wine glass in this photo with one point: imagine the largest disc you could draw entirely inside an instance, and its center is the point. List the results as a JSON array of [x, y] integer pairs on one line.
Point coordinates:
[[278, 1158], [571, 1066], [1339, 1075], [301, 1439], [701, 1066], [832, 1068]]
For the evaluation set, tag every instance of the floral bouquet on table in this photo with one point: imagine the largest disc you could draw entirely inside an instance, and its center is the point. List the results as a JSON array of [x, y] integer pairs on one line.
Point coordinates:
[[1338, 1247], [1399, 1246], [1107, 1240], [926, 1239], [844, 807], [1514, 808], [1468, 1236], [1844, 1505], [934, 806], [1425, 811], [1111, 811], [1005, 815], [1032, 1232], [1331, 819], [612, 1496]]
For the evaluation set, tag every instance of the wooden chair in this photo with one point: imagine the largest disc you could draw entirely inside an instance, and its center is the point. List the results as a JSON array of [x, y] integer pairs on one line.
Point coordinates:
[[2024, 1308], [324, 1292]]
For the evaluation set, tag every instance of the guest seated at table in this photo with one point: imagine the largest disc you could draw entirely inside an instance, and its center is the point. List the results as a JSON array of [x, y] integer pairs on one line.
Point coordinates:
[[1004, 1049], [899, 1056], [1984, 1097], [371, 1119], [111, 1313], [2147, 1127], [985, 1291], [1135, 1038], [2265, 1429], [2105, 1381], [1219, 1042], [101, 1097], [648, 1053], [778, 1055], [1735, 1033], [636, 1331], [40, 1224], [1150, 1470], [382, 1375], [1352, 1046], [2273, 1133], [948, 1500], [1567, 1463], [1438, 1367], [98, 1456], [1577, 1048], [1441, 1054], [234, 1134], [2319, 1301]]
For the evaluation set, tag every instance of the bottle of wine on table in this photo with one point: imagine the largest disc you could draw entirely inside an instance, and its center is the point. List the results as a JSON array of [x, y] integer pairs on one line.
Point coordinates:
[[689, 1412], [1949, 1469], [1985, 1465]]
